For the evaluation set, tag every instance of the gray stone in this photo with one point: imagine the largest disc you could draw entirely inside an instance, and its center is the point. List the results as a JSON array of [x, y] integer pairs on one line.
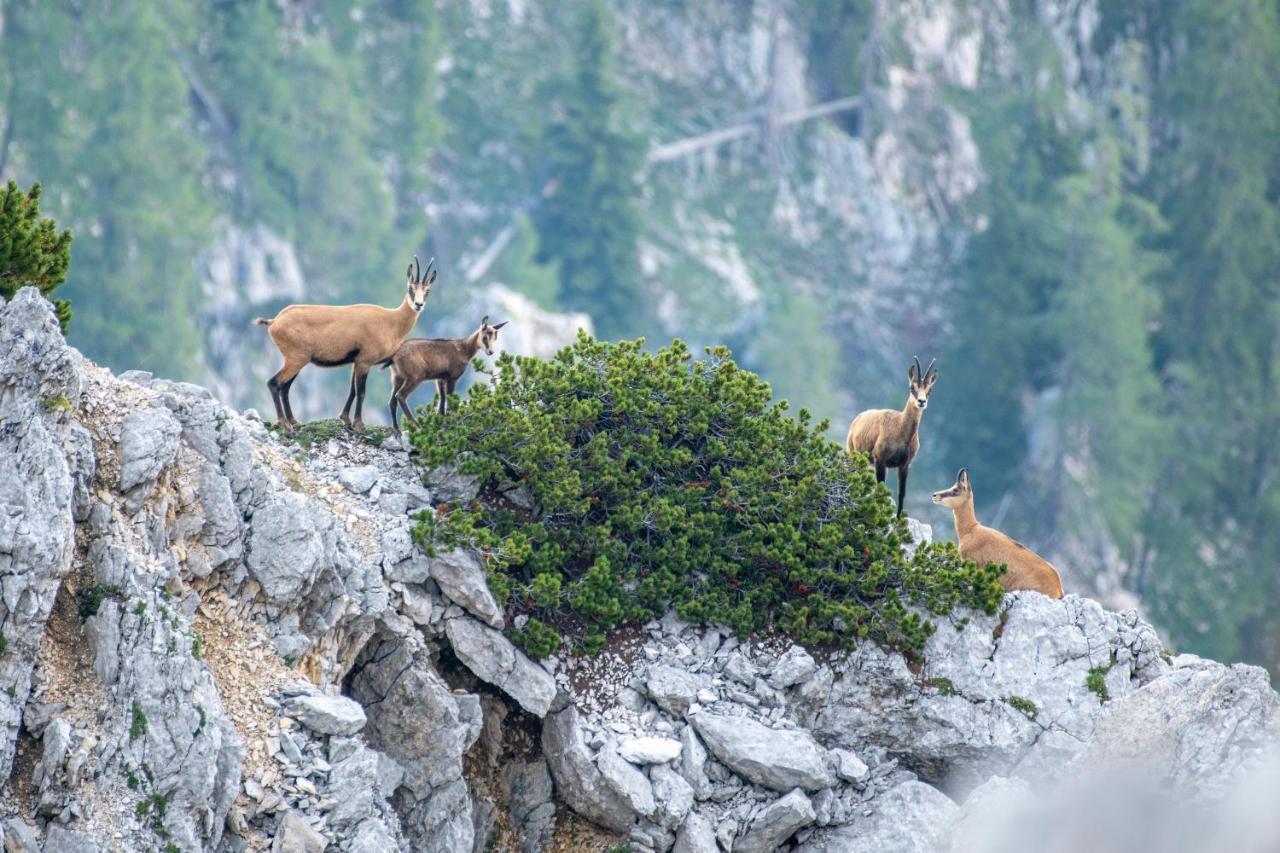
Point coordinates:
[[695, 836], [693, 760], [358, 479], [780, 759], [850, 767], [19, 837], [672, 688], [286, 547], [776, 823], [911, 818], [673, 796], [493, 658], [328, 715], [295, 835], [626, 781], [461, 577], [63, 839], [372, 836], [148, 445], [578, 781], [649, 750], [794, 666]]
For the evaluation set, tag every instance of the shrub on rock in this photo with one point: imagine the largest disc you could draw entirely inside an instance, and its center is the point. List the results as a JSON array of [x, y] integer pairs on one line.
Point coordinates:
[[616, 483]]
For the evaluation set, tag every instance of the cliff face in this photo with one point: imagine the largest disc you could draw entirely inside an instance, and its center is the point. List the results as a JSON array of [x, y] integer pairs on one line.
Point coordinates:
[[216, 641]]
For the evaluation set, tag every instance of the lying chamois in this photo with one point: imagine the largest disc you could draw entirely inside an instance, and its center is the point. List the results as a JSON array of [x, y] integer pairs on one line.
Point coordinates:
[[983, 545], [335, 335], [892, 439], [441, 359]]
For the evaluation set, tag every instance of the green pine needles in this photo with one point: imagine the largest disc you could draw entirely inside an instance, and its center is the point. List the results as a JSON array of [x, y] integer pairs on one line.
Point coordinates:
[[616, 483]]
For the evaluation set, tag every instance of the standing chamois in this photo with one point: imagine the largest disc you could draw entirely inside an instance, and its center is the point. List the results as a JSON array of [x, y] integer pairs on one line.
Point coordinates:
[[984, 545], [441, 359], [336, 335], [892, 439]]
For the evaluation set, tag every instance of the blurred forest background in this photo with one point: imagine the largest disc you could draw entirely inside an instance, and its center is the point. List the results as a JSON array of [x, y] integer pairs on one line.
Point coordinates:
[[1073, 204]]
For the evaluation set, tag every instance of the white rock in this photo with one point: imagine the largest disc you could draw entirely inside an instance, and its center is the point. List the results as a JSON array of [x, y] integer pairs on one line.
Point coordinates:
[[649, 750]]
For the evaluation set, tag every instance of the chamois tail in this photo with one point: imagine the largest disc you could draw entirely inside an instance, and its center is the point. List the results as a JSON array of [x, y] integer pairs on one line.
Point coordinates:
[[261, 321]]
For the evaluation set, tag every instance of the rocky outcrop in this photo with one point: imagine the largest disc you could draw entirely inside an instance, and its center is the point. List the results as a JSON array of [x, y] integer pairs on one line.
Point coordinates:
[[218, 641]]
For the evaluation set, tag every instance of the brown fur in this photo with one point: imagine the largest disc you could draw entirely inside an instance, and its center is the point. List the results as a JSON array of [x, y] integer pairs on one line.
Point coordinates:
[[443, 360], [983, 545], [338, 335], [891, 439]]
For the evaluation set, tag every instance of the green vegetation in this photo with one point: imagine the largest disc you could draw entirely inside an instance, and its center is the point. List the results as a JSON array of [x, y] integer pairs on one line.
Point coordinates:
[[659, 480], [197, 645], [1096, 681], [1022, 705], [309, 435], [32, 251], [138, 724], [4, 643], [89, 599], [204, 719], [942, 685], [131, 779]]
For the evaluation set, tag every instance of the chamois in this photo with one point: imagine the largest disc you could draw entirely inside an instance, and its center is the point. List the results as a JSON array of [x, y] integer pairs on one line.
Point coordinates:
[[891, 439], [983, 545], [336, 335], [441, 359]]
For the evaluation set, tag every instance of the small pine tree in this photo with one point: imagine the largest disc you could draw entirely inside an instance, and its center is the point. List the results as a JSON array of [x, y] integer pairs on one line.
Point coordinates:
[[32, 250], [589, 224]]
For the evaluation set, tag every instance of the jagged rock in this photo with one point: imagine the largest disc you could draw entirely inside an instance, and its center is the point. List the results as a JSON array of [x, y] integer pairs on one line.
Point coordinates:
[[372, 836], [328, 715], [461, 577], [954, 721], [493, 658], [776, 823], [1198, 728], [148, 445], [358, 479], [62, 839], [696, 836], [530, 802], [673, 689], [693, 760], [780, 759], [987, 810], [578, 781], [448, 485], [850, 767], [793, 667], [911, 818], [19, 837], [295, 835], [626, 781], [649, 750], [673, 796]]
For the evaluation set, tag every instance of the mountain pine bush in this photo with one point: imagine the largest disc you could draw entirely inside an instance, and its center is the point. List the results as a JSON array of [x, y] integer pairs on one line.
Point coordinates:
[[616, 483], [32, 250]]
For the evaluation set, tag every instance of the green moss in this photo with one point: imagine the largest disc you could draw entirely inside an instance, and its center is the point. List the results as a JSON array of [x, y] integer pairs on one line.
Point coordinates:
[[139, 609], [1024, 705], [138, 725], [131, 779], [309, 435], [4, 643], [942, 685], [197, 645], [56, 402], [204, 718], [1096, 681]]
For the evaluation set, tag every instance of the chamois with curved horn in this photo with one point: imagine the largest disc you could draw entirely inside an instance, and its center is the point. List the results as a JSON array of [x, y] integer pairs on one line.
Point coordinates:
[[337, 335], [889, 438], [984, 545]]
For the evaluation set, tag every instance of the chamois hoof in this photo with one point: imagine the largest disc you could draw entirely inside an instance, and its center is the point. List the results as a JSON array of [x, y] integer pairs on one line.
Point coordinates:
[[356, 426]]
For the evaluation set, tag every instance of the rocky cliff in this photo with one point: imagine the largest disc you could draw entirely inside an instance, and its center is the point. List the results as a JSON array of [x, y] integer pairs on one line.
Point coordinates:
[[213, 640]]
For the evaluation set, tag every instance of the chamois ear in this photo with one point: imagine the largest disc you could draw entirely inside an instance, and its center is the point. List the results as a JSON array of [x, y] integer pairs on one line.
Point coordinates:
[[503, 323], [963, 477], [485, 321], [408, 273]]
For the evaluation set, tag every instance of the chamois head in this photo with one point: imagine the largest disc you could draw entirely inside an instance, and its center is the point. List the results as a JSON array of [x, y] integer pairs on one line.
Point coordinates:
[[956, 495], [419, 285], [489, 334], [921, 384]]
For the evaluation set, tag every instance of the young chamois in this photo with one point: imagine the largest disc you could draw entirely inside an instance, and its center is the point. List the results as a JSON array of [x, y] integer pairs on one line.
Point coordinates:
[[983, 545], [336, 335], [891, 439], [441, 359]]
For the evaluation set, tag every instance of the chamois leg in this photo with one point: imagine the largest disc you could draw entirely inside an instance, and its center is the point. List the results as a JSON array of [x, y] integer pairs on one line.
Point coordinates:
[[902, 484], [450, 386], [396, 385], [345, 415], [403, 396], [358, 423], [880, 471], [279, 387], [440, 395]]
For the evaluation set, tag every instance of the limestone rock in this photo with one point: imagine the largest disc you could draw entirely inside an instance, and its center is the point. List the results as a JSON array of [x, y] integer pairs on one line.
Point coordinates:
[[649, 750], [461, 577], [780, 759], [776, 823], [329, 715], [911, 818], [493, 658], [578, 781], [626, 781]]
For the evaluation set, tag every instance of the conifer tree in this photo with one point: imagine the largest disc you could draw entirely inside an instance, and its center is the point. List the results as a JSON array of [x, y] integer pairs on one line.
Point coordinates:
[[33, 253]]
